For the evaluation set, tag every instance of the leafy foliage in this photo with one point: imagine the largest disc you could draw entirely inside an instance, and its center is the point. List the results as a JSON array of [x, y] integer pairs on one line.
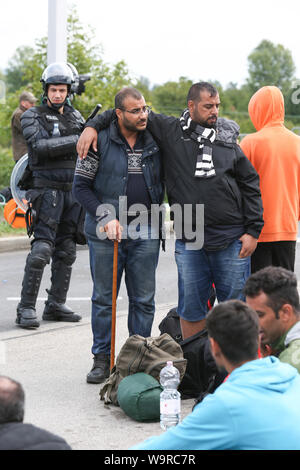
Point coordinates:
[[170, 98], [6, 166], [268, 64]]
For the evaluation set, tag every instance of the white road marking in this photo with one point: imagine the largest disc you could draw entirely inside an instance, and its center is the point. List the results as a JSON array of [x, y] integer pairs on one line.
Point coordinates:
[[69, 299]]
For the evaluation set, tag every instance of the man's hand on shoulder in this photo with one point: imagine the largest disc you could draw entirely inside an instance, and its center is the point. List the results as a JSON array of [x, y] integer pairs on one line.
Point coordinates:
[[87, 138]]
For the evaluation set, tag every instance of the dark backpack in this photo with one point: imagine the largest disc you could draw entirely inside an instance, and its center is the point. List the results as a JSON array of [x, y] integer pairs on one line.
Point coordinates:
[[171, 323], [202, 375]]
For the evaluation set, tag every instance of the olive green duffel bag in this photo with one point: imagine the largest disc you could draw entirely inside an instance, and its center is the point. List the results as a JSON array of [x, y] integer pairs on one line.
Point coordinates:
[[139, 354], [139, 397]]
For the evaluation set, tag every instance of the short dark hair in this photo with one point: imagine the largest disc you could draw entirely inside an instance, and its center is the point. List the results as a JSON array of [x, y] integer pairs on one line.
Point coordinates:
[[235, 327], [12, 400], [279, 285], [122, 95], [196, 88]]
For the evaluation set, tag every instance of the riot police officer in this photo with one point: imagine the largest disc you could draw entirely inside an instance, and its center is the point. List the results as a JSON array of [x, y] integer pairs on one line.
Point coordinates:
[[51, 132]]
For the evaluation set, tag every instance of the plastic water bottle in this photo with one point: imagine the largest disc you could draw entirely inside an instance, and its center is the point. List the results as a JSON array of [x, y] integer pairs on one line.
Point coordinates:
[[170, 397], [56, 132]]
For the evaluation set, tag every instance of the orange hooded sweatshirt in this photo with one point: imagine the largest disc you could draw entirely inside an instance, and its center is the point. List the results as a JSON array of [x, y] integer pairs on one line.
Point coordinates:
[[274, 151]]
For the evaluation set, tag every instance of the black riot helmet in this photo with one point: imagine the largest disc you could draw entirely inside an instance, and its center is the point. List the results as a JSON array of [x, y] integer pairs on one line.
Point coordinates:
[[75, 82], [56, 74]]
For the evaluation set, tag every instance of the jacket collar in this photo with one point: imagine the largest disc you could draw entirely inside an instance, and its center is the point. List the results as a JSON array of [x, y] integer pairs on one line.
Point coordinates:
[[115, 135], [284, 340], [293, 333]]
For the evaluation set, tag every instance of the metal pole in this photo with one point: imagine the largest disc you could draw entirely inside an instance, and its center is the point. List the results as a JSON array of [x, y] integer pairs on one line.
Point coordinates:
[[57, 31]]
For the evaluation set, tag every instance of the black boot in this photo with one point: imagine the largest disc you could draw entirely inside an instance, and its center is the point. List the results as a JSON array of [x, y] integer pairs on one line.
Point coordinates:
[[100, 370], [55, 308], [36, 261], [26, 317], [26, 313], [55, 311]]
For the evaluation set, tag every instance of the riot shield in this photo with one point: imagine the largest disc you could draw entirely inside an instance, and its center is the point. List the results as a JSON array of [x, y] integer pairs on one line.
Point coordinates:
[[17, 193]]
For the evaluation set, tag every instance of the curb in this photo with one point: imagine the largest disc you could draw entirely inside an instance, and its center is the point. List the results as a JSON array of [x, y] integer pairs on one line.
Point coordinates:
[[14, 244], [19, 243]]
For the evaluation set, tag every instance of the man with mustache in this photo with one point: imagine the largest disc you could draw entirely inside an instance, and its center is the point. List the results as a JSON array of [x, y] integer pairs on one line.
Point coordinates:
[[204, 167], [273, 293], [126, 165]]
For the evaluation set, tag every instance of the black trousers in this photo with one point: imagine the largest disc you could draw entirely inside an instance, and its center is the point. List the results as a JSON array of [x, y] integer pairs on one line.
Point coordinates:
[[281, 253]]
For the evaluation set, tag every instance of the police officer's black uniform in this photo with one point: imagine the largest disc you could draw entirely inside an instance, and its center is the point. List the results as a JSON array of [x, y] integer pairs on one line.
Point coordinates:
[[55, 216]]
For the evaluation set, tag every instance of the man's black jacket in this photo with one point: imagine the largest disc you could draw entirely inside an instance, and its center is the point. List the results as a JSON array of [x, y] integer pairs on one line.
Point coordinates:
[[230, 198], [23, 436]]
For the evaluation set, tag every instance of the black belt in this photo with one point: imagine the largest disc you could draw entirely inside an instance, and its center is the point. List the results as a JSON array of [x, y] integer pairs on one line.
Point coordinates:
[[44, 183]]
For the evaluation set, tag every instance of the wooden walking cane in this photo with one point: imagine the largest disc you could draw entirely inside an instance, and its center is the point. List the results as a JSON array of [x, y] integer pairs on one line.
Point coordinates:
[[114, 305]]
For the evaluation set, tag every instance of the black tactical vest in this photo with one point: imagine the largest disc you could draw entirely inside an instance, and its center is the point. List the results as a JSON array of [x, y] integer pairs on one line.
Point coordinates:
[[47, 124]]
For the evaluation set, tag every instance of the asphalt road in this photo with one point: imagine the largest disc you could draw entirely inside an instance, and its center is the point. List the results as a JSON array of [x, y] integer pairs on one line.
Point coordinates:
[[52, 361], [79, 295], [12, 268]]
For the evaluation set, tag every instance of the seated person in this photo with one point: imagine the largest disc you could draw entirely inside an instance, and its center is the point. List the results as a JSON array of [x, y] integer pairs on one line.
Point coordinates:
[[240, 414]]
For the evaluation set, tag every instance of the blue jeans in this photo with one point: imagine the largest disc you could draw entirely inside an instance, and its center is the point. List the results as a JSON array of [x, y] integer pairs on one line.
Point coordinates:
[[138, 259], [198, 269]]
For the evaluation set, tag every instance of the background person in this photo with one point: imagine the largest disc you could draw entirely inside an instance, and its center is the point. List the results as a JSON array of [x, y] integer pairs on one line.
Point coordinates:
[[19, 146], [274, 151], [273, 293], [240, 415], [14, 433]]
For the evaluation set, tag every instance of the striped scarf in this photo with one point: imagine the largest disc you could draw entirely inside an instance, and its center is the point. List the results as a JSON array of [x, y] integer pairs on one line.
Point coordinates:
[[205, 137]]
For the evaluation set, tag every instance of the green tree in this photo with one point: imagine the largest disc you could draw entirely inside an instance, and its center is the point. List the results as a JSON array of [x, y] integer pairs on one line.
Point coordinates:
[[170, 98], [237, 99], [292, 103], [27, 65], [143, 85], [270, 64], [86, 55], [15, 74], [82, 51]]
